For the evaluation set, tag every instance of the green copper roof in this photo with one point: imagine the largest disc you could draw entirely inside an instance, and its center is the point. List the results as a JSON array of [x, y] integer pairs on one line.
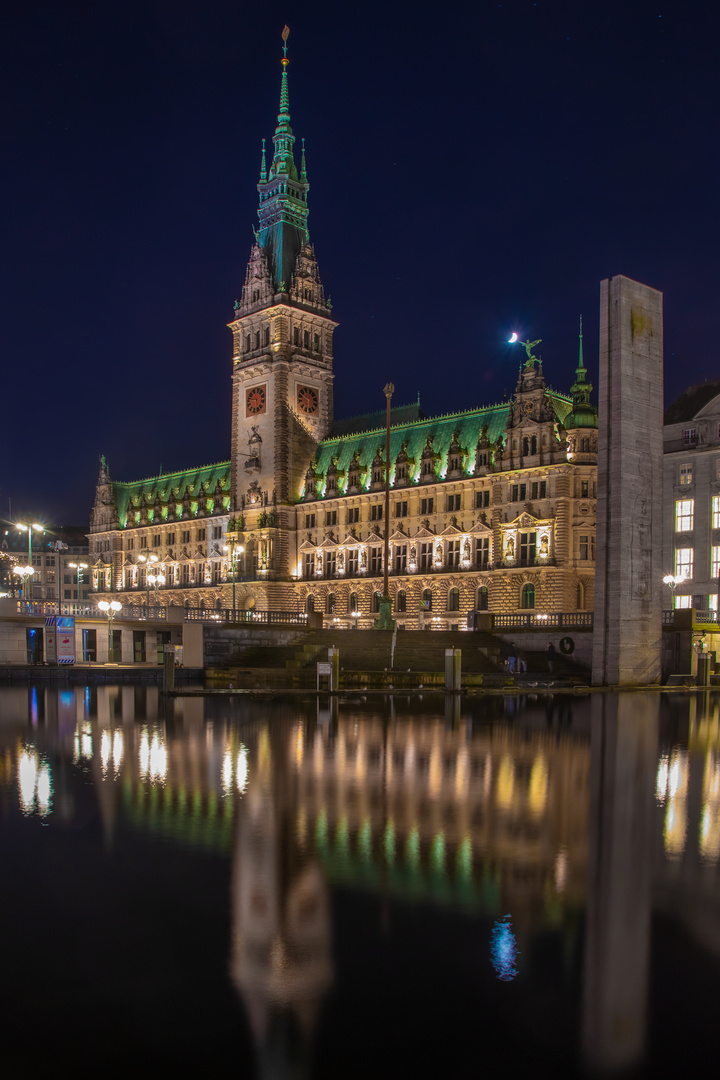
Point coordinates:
[[172, 486]]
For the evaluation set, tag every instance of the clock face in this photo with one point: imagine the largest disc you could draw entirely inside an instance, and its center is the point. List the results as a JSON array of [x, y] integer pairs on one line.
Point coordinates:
[[307, 400], [255, 401]]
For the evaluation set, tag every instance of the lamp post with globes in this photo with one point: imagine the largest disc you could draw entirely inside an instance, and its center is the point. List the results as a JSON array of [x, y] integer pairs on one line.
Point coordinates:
[[157, 580], [236, 550], [79, 567], [672, 581], [152, 577], [28, 527], [25, 574], [110, 607]]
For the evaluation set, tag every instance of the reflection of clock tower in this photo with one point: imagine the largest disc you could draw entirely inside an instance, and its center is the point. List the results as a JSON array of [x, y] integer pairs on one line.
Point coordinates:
[[282, 345]]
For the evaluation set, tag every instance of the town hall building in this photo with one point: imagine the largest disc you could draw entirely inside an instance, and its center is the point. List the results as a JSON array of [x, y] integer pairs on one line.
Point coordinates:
[[491, 509]]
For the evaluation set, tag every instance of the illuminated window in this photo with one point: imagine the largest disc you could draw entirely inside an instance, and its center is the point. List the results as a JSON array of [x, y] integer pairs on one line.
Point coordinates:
[[331, 563], [715, 571], [686, 474], [683, 601], [400, 558], [684, 562], [716, 511], [713, 602], [527, 597], [684, 513], [688, 436]]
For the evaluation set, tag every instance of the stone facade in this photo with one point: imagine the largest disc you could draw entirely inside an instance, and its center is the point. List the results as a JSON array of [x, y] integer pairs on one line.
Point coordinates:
[[491, 509]]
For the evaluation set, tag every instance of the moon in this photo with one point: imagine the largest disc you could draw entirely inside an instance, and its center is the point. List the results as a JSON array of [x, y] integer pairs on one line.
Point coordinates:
[[513, 338]]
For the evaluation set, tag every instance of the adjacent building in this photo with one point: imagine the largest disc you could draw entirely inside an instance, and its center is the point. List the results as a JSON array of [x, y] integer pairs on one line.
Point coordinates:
[[691, 497], [491, 508]]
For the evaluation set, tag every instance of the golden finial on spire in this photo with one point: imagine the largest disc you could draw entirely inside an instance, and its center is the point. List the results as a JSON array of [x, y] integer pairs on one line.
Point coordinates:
[[285, 35]]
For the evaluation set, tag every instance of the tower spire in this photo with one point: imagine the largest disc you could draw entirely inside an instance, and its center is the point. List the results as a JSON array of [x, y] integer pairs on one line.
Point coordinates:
[[303, 170], [581, 365], [263, 166]]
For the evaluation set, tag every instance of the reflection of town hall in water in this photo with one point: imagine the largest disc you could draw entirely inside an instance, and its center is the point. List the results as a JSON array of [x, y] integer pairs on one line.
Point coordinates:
[[491, 508]]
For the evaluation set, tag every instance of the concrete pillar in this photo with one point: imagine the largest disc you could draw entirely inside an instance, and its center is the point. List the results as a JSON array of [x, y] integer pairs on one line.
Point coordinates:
[[628, 577]]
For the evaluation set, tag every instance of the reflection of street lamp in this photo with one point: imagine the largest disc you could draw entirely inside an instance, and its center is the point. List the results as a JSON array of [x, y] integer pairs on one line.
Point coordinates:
[[25, 574], [110, 607], [79, 566], [672, 581], [235, 550]]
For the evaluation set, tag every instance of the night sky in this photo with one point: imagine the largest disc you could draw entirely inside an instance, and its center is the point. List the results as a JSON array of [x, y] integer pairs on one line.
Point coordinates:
[[474, 169]]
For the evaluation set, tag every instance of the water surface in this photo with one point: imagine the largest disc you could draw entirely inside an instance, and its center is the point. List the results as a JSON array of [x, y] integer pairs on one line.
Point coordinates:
[[392, 887]]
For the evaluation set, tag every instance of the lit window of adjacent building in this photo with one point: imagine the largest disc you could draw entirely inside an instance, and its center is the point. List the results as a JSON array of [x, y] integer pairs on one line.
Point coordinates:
[[684, 513], [683, 601], [716, 511], [686, 474], [712, 602], [688, 436], [684, 562], [715, 565]]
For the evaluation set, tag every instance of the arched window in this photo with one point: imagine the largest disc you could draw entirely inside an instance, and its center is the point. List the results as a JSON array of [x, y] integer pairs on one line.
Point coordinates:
[[376, 601], [427, 600], [579, 596], [401, 601], [527, 597], [306, 339], [310, 605], [353, 603], [218, 604], [453, 601], [533, 445], [482, 598], [330, 603]]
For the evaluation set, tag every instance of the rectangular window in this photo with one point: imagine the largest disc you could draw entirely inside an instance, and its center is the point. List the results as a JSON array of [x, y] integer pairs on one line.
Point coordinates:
[[686, 474], [49, 560], [139, 646], [717, 468], [400, 558], [688, 436], [353, 515], [130, 544], [308, 564], [713, 602], [527, 548], [426, 506], [200, 574], [401, 509], [683, 601], [684, 562], [375, 560], [201, 534], [37, 560], [376, 512], [426, 554], [185, 536], [331, 563], [482, 551], [156, 540], [482, 498], [584, 489], [454, 502], [217, 532], [216, 571], [715, 569], [584, 547], [185, 573], [716, 511], [352, 562], [684, 513], [331, 517], [309, 521], [453, 553]]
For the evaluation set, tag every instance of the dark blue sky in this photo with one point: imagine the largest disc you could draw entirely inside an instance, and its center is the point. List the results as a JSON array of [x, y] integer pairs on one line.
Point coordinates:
[[474, 168]]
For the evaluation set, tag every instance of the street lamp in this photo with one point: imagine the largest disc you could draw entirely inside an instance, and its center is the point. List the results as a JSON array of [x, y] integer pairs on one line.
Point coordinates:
[[28, 526], [235, 550], [79, 566], [151, 578], [25, 574], [672, 581], [157, 580], [110, 607]]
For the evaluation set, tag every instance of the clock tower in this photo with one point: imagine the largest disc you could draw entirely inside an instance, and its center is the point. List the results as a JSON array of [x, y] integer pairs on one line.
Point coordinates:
[[282, 402]]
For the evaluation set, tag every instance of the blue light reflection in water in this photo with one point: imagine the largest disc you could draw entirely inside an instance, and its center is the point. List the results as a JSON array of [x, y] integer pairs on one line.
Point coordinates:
[[503, 950]]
